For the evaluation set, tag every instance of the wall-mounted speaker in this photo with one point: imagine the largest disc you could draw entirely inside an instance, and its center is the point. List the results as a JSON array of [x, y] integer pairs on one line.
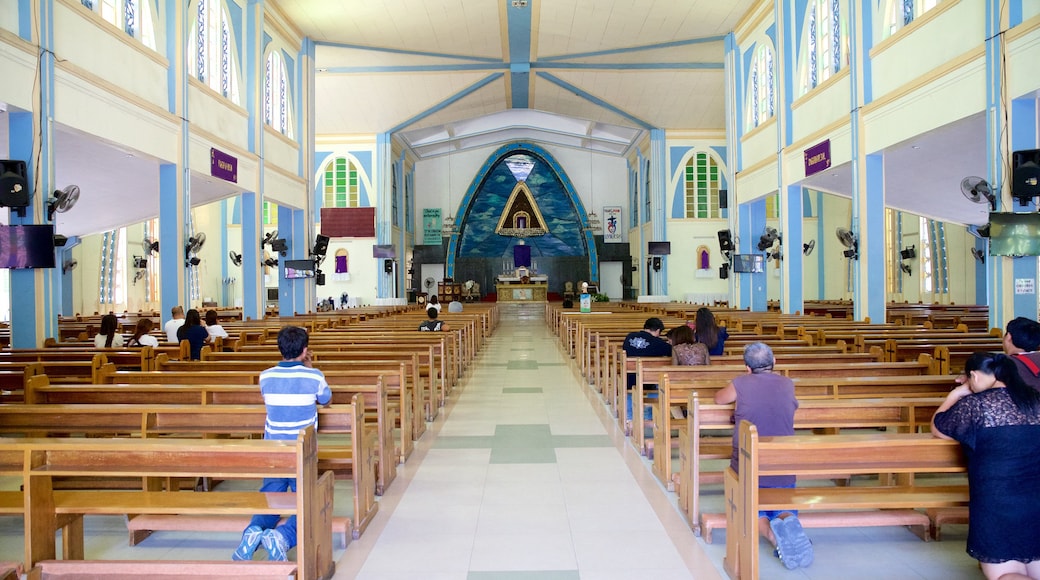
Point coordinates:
[[1025, 175], [319, 278], [388, 266], [723, 199], [724, 271], [657, 263], [725, 240], [14, 186]]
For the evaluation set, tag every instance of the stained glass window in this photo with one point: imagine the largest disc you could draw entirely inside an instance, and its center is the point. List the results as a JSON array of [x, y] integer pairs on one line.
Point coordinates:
[[129, 11], [896, 14], [132, 16], [277, 108], [215, 60], [701, 186], [761, 100], [341, 184], [826, 41]]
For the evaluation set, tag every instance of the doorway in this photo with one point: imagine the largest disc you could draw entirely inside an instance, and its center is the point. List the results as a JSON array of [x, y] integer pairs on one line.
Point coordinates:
[[610, 280]]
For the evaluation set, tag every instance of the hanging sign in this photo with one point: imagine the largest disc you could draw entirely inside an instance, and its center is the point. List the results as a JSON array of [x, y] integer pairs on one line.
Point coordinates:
[[431, 226], [612, 225], [818, 158], [223, 166]]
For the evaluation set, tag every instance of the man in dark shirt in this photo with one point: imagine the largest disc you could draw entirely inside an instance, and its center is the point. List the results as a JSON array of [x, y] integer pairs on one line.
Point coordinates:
[[1021, 342], [767, 400], [646, 342], [432, 324]]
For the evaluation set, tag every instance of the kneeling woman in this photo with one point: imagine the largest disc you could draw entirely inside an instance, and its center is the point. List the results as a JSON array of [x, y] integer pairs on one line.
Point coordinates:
[[996, 418]]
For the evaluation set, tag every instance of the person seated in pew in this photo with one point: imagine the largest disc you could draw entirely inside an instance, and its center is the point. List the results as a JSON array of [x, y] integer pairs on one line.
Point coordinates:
[[292, 391], [193, 332], [434, 303], [767, 400], [173, 325], [141, 335], [995, 416], [432, 324], [646, 342], [708, 332], [454, 306], [109, 336], [213, 327], [686, 351], [1021, 343]]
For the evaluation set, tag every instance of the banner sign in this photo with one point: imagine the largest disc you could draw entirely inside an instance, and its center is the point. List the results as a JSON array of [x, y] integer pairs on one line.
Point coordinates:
[[431, 226], [612, 225], [818, 158], [223, 166], [585, 304]]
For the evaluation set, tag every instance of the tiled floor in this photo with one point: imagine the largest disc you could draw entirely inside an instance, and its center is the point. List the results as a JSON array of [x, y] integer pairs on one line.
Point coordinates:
[[524, 477]]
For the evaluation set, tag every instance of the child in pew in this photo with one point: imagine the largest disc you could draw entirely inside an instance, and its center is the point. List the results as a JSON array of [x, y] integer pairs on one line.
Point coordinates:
[[767, 399], [292, 391], [995, 416]]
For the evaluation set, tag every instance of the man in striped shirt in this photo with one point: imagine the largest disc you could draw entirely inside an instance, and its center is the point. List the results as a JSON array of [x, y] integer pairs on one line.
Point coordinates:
[[292, 391]]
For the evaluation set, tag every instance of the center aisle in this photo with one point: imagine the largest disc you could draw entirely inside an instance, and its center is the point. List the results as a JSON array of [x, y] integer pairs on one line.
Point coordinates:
[[525, 476]]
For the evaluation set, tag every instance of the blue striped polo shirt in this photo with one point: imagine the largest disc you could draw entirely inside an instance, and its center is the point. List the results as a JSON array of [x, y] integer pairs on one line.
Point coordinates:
[[292, 393]]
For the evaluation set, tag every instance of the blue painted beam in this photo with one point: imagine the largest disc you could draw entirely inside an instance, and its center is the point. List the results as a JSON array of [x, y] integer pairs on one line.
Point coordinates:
[[629, 66], [594, 99], [630, 49], [448, 102], [490, 66], [518, 24], [408, 52]]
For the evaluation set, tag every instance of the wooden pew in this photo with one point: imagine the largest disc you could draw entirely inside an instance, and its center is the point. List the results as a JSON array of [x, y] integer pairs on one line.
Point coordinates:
[[371, 388], [44, 459], [812, 456], [903, 415], [341, 449], [136, 569]]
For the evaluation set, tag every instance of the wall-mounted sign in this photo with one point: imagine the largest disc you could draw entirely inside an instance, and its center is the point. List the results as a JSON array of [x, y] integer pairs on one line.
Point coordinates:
[[818, 158], [1025, 286], [431, 226], [612, 225], [223, 166]]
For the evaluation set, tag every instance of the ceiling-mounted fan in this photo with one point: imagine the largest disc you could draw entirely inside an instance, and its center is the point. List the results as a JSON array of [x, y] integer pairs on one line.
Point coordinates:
[[978, 255], [236, 259], [977, 190], [62, 201], [848, 239], [271, 235], [769, 237], [905, 267], [808, 247], [139, 275], [270, 262]]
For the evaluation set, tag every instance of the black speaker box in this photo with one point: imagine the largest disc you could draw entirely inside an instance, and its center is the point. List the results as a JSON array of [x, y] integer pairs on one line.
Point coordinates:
[[724, 271], [14, 185], [321, 245], [725, 241], [723, 199], [1025, 175], [388, 266], [657, 263], [319, 279]]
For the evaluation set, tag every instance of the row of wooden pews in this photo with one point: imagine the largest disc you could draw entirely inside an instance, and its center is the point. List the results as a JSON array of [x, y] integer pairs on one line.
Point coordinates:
[[866, 391], [387, 381]]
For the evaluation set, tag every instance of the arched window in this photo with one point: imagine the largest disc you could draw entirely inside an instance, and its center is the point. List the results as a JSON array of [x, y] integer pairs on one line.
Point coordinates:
[[647, 215], [701, 189], [277, 95], [209, 49], [825, 44], [270, 214], [761, 94], [135, 17], [394, 206], [773, 206], [895, 14], [341, 184]]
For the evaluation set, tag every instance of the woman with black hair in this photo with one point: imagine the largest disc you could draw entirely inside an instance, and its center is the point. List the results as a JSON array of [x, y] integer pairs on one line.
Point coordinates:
[[193, 331], [109, 336], [996, 418], [708, 333]]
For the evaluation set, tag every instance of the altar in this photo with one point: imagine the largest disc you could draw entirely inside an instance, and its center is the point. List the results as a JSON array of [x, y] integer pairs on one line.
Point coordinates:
[[520, 292]]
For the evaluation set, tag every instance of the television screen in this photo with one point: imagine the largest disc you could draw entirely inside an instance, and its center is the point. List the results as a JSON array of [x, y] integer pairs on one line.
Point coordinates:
[[383, 252], [748, 263], [295, 269], [658, 248], [1014, 234], [27, 246], [272, 294]]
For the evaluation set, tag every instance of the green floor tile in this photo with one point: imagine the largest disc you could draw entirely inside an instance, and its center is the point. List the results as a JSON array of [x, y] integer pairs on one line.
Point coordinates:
[[523, 455], [518, 390], [522, 365]]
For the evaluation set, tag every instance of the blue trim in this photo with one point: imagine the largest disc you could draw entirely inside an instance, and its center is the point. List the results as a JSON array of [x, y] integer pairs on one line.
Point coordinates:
[[868, 43], [658, 46], [384, 227], [302, 97], [658, 181], [449, 101], [252, 273], [25, 19], [872, 231], [1015, 14], [23, 302], [676, 155], [253, 69], [629, 66], [593, 99], [785, 89], [820, 233], [286, 288], [408, 52], [172, 73], [364, 166], [994, 155], [481, 174], [235, 15], [518, 25], [791, 276], [1024, 136], [171, 254], [735, 101], [408, 68], [225, 213]]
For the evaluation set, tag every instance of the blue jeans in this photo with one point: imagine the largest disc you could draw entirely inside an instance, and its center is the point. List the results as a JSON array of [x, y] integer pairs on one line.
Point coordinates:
[[648, 412], [268, 521], [771, 514]]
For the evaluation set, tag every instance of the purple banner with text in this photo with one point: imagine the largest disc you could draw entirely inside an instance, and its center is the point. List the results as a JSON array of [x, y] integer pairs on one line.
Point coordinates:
[[818, 158], [223, 166]]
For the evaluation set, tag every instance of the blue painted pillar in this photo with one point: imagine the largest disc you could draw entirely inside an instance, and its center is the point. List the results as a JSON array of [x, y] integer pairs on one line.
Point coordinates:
[[658, 217], [172, 273], [67, 294], [868, 219], [253, 290], [753, 285], [1024, 136], [286, 288], [791, 291], [821, 279], [299, 249], [31, 305], [384, 211], [226, 299], [1001, 297]]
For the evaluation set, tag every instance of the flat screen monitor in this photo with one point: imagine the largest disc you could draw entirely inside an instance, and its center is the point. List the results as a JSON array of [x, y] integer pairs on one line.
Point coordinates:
[[748, 263], [295, 269], [1014, 234], [30, 246], [272, 295], [658, 248], [380, 251]]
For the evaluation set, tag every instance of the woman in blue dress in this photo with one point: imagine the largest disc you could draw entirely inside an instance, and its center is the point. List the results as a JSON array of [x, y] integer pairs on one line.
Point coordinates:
[[996, 418]]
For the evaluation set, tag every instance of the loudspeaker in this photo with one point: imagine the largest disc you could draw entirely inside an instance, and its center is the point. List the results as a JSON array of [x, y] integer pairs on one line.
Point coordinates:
[[723, 199], [60, 240], [657, 263], [725, 241], [388, 266], [319, 278], [14, 185], [983, 231], [1025, 175], [280, 245], [724, 271], [321, 245]]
